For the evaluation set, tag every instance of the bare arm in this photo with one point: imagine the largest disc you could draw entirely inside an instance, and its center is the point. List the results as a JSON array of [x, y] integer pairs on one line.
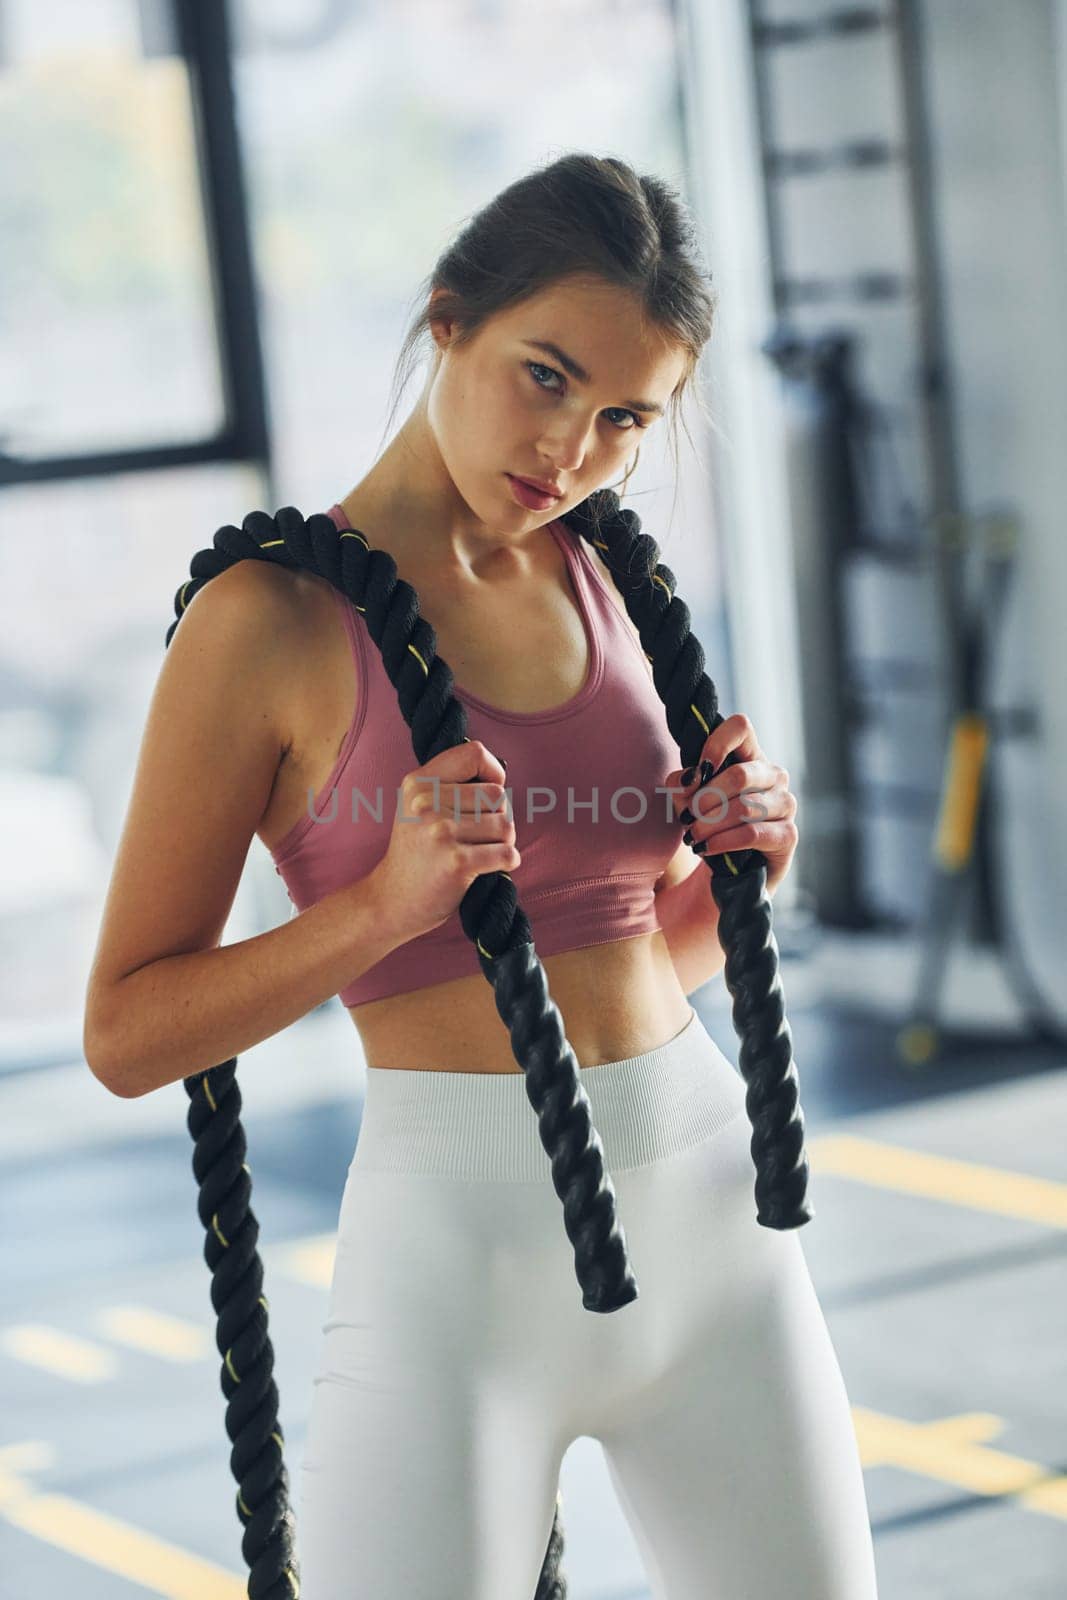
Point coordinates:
[[184, 1013], [163, 1001]]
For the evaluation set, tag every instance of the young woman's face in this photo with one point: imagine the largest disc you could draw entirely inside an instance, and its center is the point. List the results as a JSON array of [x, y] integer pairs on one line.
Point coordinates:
[[502, 406]]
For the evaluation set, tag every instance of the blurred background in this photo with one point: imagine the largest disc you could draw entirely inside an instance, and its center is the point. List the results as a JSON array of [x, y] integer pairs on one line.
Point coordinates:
[[214, 217]]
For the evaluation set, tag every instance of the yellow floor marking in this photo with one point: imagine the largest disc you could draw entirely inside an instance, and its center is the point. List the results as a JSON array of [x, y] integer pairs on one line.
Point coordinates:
[[107, 1542], [960, 1183], [955, 1450], [62, 1354], [141, 1328]]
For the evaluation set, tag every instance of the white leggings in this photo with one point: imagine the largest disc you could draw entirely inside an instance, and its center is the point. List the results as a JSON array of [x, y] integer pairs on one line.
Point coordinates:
[[458, 1364]]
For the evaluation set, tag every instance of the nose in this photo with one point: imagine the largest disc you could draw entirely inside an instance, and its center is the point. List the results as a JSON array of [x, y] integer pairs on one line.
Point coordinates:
[[567, 448]]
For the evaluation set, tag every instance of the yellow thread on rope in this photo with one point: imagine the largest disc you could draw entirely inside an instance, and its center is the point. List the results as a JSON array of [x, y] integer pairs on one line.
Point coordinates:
[[207, 1090], [963, 784], [662, 582], [219, 1235], [181, 593], [236, 1376], [241, 1503], [699, 718], [735, 870], [269, 544], [488, 953], [351, 533], [264, 1302], [294, 1585], [280, 1440]]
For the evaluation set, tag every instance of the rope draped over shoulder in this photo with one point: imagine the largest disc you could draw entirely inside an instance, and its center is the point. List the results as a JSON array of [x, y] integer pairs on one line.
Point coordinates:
[[495, 922]]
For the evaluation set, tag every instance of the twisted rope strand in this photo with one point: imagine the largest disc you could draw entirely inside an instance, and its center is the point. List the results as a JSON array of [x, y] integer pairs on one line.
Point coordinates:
[[231, 1232], [498, 927], [738, 878]]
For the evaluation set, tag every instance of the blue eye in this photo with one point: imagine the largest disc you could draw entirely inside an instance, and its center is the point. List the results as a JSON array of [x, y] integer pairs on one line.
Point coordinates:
[[621, 410]]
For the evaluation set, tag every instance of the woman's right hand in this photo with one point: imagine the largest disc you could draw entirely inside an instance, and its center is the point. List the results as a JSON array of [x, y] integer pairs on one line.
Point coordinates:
[[445, 834]]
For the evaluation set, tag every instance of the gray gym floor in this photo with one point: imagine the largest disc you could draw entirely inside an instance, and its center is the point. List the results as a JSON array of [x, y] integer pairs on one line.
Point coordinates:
[[937, 1251]]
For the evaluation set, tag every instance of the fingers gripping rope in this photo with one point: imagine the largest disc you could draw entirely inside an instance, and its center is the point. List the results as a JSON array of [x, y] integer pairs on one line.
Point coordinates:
[[494, 921]]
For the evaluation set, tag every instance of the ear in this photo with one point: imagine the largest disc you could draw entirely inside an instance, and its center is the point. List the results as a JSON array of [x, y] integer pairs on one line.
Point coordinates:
[[440, 327]]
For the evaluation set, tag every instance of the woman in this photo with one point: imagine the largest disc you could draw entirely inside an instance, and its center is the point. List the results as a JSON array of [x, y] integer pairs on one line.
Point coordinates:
[[457, 1363]]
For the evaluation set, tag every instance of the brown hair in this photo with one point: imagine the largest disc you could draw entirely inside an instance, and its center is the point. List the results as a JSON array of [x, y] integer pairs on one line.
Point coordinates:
[[581, 216]]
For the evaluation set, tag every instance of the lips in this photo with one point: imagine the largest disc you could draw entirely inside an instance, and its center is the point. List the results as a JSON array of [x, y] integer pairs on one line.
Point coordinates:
[[542, 488], [524, 494]]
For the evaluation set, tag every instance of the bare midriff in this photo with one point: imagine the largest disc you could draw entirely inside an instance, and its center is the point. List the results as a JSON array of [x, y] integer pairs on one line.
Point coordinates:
[[617, 999]]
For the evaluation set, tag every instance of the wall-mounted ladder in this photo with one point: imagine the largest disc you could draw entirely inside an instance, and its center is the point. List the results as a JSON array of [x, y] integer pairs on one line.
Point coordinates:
[[834, 429]]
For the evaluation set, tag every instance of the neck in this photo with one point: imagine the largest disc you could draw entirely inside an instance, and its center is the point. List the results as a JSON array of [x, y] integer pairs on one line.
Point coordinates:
[[408, 505]]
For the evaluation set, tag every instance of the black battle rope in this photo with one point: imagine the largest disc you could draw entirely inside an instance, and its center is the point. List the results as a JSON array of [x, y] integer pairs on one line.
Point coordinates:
[[498, 927]]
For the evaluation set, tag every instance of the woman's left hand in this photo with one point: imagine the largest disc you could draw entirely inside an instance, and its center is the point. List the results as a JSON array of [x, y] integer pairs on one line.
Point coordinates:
[[748, 807]]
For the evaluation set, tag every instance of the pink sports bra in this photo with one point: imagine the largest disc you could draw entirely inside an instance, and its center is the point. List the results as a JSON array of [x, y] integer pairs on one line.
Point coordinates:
[[587, 783]]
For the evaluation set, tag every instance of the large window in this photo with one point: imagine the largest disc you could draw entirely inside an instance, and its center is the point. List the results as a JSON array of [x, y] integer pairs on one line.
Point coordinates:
[[368, 132]]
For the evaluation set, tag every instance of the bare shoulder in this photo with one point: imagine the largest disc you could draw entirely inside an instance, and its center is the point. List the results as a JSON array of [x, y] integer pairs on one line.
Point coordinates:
[[295, 610], [209, 755], [252, 591]]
